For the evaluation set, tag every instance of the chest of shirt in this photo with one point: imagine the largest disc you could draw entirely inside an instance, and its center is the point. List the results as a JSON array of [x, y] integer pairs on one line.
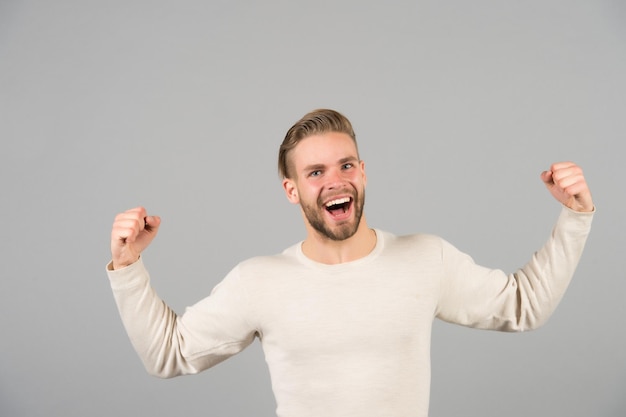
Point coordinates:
[[314, 312]]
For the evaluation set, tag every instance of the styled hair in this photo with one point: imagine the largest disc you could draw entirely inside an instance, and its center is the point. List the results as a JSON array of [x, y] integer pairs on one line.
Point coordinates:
[[313, 123]]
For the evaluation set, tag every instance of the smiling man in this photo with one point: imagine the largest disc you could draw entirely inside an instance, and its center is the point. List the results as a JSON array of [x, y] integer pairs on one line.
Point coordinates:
[[344, 316], [324, 174]]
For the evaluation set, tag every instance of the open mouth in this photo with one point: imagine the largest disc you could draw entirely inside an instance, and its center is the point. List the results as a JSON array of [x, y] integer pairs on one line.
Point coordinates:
[[338, 206]]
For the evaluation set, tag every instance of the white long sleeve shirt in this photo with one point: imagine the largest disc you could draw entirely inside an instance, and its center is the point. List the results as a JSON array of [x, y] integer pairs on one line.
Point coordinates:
[[351, 339]]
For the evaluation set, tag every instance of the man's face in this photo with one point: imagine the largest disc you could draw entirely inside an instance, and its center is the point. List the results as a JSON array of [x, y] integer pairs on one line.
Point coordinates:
[[329, 184]]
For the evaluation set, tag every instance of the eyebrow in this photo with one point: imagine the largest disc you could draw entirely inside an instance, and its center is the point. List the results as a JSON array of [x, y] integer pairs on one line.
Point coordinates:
[[348, 159], [314, 167]]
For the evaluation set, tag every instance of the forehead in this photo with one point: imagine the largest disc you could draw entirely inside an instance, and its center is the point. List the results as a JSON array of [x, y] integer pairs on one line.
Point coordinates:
[[324, 149]]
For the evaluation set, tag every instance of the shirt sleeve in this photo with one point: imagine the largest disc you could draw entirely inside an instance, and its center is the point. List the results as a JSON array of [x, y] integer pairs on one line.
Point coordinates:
[[475, 296], [169, 345]]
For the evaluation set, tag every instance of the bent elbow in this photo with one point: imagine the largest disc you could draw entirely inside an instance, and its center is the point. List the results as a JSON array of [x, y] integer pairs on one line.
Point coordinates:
[[161, 373], [534, 305], [167, 368]]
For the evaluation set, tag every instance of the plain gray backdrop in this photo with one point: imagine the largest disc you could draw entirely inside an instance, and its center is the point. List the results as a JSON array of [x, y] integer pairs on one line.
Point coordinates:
[[181, 106]]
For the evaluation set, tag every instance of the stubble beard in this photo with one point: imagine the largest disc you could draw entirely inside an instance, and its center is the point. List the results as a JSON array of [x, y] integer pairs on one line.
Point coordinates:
[[344, 230]]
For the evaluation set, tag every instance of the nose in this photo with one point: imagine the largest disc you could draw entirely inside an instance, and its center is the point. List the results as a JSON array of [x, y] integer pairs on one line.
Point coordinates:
[[335, 180]]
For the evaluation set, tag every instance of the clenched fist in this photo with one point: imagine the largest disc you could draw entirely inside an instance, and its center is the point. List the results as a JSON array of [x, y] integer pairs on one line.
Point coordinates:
[[566, 182], [132, 232]]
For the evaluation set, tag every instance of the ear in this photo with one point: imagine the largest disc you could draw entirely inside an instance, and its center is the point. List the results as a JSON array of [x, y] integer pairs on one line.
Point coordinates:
[[362, 165], [291, 191]]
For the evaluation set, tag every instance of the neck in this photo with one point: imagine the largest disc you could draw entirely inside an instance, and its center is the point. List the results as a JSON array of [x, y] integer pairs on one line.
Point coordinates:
[[327, 251]]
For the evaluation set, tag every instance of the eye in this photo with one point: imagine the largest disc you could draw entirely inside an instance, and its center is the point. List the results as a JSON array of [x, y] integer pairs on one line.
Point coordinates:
[[347, 165], [315, 173]]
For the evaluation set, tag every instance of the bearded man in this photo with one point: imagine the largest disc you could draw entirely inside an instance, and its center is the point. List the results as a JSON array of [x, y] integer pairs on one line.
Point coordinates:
[[345, 316]]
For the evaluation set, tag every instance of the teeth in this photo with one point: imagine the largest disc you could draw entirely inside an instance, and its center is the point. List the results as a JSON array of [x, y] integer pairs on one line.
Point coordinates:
[[338, 201]]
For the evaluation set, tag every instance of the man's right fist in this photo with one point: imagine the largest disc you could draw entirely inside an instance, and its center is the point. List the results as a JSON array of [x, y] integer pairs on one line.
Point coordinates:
[[132, 232]]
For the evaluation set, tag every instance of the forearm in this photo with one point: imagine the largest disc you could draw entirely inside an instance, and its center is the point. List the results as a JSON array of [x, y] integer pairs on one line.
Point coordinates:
[[543, 281], [151, 325], [209, 332]]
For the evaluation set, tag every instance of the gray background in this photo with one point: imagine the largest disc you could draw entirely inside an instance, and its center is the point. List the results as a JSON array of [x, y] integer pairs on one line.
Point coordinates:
[[180, 107]]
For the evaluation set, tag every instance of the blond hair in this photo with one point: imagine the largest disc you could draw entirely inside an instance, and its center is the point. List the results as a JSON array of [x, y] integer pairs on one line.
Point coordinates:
[[317, 122]]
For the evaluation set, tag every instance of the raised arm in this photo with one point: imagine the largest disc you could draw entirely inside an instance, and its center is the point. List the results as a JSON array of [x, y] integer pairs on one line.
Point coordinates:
[[168, 344], [480, 297]]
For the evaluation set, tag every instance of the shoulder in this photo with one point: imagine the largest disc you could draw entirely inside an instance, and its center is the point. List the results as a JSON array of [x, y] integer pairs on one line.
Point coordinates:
[[266, 262], [414, 247], [411, 241], [267, 265]]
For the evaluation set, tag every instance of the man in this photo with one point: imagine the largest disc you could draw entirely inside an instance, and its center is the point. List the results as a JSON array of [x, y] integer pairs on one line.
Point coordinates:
[[345, 316]]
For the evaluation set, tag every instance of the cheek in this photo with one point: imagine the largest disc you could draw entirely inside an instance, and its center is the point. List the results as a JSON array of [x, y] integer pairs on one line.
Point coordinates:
[[309, 195], [358, 179]]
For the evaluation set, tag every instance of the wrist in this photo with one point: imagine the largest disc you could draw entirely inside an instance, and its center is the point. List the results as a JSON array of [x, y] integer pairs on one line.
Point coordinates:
[[120, 264]]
